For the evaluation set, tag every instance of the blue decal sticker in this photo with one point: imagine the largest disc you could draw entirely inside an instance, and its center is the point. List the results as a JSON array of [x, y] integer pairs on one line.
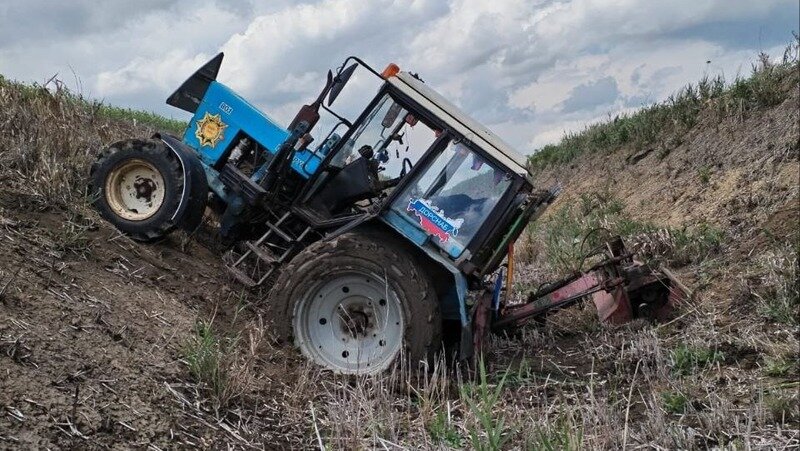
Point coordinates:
[[434, 221]]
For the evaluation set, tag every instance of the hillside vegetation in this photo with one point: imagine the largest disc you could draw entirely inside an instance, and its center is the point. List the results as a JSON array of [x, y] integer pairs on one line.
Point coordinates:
[[705, 183], [662, 125], [105, 342]]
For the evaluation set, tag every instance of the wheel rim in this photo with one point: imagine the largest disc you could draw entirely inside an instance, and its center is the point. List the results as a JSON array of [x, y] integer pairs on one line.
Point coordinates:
[[351, 323], [135, 190]]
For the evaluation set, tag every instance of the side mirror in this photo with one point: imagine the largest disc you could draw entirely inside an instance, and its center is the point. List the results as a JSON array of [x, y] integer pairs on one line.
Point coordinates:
[[391, 115], [340, 81]]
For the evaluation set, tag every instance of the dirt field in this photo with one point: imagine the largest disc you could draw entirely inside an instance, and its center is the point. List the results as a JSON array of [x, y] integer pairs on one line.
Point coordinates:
[[108, 343], [94, 327]]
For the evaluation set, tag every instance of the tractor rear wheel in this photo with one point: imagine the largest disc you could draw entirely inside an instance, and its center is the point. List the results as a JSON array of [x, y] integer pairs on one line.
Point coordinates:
[[137, 185], [355, 303]]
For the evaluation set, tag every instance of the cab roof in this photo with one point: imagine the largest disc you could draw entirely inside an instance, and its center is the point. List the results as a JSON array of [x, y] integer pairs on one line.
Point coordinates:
[[460, 121]]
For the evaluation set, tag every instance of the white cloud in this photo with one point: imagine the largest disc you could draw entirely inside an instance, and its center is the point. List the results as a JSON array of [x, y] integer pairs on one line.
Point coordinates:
[[510, 63], [310, 37], [165, 73]]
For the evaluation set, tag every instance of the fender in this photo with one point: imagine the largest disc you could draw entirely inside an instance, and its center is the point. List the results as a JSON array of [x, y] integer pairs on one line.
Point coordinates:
[[452, 292], [195, 184]]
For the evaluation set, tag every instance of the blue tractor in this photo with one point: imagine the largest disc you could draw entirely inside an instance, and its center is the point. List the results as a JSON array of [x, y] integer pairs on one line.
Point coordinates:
[[371, 237]]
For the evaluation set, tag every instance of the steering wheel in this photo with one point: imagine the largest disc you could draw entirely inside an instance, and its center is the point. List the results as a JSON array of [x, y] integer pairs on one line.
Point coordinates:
[[368, 153]]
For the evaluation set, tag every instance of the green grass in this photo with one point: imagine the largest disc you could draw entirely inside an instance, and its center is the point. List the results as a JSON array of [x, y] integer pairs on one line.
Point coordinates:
[[442, 430], [571, 233], [779, 367], [686, 359], [487, 431], [704, 174], [140, 117], [208, 358], [564, 434], [574, 230], [694, 244], [782, 408], [520, 376], [678, 114], [674, 402]]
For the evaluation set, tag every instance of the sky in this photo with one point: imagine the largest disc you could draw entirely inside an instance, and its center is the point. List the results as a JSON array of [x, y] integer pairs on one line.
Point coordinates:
[[531, 70]]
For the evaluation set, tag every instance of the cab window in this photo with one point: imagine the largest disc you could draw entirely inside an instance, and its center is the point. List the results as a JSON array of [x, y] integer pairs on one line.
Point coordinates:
[[453, 197], [397, 139]]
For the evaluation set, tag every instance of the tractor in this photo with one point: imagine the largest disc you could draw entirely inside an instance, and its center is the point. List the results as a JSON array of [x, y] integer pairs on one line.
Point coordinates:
[[368, 240]]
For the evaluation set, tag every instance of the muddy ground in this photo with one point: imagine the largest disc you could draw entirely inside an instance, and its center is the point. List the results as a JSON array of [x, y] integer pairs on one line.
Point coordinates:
[[94, 327], [92, 332]]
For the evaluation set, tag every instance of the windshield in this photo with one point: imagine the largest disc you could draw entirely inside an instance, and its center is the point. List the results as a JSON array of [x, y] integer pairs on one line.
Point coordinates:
[[454, 196], [373, 132], [397, 139]]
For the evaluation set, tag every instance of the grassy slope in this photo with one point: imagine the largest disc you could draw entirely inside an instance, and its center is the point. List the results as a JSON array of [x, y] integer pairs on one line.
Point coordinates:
[[723, 372], [663, 124], [707, 184], [98, 342], [96, 108]]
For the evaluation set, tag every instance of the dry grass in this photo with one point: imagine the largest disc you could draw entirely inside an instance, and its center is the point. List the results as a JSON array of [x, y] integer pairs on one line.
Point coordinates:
[[606, 390], [719, 375], [716, 376], [777, 284], [49, 137]]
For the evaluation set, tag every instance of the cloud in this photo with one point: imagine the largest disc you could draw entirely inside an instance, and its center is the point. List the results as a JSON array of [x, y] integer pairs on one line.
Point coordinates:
[[309, 38], [529, 69], [46, 20], [142, 74], [589, 96]]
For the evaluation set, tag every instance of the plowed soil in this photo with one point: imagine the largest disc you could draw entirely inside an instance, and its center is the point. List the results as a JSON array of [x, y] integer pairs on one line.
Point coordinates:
[[91, 333]]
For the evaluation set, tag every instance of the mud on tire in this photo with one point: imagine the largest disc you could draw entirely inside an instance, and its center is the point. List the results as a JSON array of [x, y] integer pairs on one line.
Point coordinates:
[[368, 253], [152, 155]]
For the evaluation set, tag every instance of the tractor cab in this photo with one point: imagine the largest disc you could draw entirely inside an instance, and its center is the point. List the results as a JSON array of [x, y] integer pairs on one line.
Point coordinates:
[[420, 165], [414, 164]]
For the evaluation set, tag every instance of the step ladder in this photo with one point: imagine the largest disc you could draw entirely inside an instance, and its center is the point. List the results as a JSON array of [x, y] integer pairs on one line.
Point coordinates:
[[255, 261]]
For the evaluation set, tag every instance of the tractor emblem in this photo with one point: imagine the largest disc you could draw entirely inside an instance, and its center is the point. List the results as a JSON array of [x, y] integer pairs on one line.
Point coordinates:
[[209, 130], [433, 220]]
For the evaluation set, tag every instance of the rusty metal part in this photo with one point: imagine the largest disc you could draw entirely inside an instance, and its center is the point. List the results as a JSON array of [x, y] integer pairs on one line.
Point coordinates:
[[564, 296], [621, 288], [481, 319], [613, 306]]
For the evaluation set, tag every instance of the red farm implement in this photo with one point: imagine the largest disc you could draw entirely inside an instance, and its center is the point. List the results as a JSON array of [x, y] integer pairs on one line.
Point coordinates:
[[621, 287]]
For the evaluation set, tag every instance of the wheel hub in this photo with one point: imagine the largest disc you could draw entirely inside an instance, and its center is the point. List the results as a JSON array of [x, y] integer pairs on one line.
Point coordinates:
[[350, 323], [144, 188], [135, 190], [357, 320]]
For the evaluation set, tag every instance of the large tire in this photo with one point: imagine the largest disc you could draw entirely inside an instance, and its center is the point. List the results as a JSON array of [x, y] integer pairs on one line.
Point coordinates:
[[197, 200], [352, 304], [137, 186]]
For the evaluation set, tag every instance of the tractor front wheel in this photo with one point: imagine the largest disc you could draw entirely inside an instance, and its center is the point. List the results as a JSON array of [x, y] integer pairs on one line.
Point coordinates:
[[356, 303], [137, 186]]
